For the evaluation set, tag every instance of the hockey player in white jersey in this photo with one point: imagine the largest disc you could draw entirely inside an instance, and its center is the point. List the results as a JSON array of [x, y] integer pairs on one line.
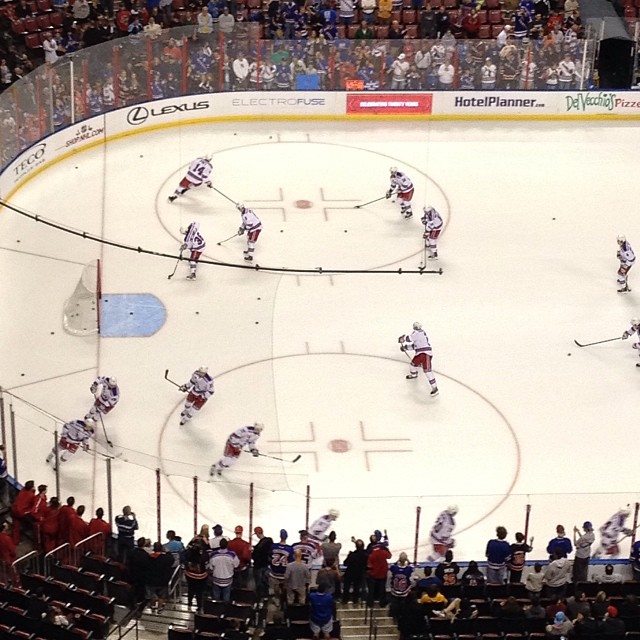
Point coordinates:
[[318, 530], [432, 222], [197, 174], [199, 389], [75, 434], [106, 399], [193, 242], [418, 342], [610, 533], [245, 437], [440, 535], [627, 259], [634, 329], [252, 226], [402, 187]]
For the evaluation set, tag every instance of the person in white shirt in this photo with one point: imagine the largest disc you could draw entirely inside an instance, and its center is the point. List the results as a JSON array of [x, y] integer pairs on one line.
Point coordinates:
[[205, 22], [566, 73], [446, 73], [226, 22], [398, 70], [240, 68], [50, 48], [488, 74]]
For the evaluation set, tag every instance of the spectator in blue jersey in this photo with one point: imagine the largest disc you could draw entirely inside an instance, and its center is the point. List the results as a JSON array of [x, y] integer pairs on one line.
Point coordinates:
[[355, 572], [560, 542], [281, 556], [377, 538], [498, 554], [429, 579], [401, 572], [321, 613]]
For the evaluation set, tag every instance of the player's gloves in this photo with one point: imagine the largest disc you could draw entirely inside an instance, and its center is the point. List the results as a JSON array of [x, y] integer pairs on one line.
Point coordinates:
[[618, 255], [183, 387], [425, 235], [93, 388], [452, 543], [255, 453], [403, 347], [635, 345], [401, 339], [388, 194], [625, 335], [183, 247], [209, 185], [241, 231]]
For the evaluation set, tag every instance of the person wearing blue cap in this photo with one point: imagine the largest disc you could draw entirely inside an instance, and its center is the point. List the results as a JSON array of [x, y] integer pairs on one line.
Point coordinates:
[[583, 552], [281, 556]]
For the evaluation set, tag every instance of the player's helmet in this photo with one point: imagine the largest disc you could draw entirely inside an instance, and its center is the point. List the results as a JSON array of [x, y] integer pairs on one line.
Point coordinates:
[[428, 210], [208, 157], [452, 509], [417, 326], [202, 371], [393, 171], [621, 239], [258, 427], [112, 382], [333, 514], [240, 207], [625, 511], [635, 322], [90, 424]]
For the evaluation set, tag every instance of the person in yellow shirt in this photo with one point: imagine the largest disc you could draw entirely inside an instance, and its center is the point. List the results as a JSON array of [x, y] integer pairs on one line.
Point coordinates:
[[384, 11]]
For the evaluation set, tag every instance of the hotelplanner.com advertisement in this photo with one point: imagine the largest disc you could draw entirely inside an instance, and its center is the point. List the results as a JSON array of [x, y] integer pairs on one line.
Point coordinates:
[[389, 103]]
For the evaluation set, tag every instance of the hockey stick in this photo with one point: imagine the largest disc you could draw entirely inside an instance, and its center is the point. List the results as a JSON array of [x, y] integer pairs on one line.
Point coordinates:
[[225, 196], [264, 455], [359, 206], [173, 273], [166, 377], [423, 264], [589, 344], [227, 239], [106, 437]]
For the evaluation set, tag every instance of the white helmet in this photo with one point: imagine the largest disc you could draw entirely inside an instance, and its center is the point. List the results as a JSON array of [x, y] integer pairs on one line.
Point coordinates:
[[625, 511], [208, 157], [258, 427], [393, 171], [428, 210], [202, 371], [90, 424], [452, 509], [621, 239], [240, 207], [333, 514], [417, 326], [635, 322], [112, 381]]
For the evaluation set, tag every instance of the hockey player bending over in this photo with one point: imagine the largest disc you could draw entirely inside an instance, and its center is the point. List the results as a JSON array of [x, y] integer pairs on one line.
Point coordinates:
[[236, 442], [440, 536], [198, 173], [107, 399], [402, 188], [193, 242], [635, 328], [418, 342], [75, 434], [199, 389]]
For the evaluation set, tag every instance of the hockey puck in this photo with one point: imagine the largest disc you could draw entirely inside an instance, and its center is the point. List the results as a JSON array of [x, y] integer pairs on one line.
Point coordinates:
[[281, 230], [345, 231], [256, 322], [553, 218], [568, 354], [197, 313], [53, 333]]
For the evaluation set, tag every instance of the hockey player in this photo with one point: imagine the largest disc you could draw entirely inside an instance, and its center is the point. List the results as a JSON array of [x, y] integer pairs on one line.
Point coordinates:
[[610, 533], [318, 530], [252, 225], [242, 437], [634, 328], [193, 242], [432, 222], [440, 536], [627, 258], [74, 434], [199, 389], [402, 187], [419, 343], [198, 172], [107, 398]]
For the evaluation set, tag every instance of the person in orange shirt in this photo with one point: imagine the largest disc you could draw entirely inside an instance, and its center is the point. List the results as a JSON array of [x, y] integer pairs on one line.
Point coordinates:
[[98, 525], [21, 508], [243, 550], [384, 11]]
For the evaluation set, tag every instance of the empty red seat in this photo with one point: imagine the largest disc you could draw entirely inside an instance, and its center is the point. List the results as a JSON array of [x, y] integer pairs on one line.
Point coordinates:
[[485, 31], [44, 22], [17, 26], [353, 28], [412, 31], [409, 16], [32, 41], [177, 5], [495, 16], [396, 15], [629, 12], [56, 20], [495, 30], [44, 6], [30, 25], [382, 32], [482, 16]]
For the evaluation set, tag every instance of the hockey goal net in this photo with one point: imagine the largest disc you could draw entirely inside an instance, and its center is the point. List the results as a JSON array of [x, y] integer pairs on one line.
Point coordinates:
[[81, 314]]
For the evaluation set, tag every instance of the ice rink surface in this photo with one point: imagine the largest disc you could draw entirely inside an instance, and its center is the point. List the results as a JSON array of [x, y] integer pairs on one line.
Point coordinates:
[[528, 255]]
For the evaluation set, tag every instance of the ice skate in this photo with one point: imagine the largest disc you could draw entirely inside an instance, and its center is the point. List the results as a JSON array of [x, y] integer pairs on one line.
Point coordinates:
[[248, 257], [624, 289], [172, 198], [637, 364], [408, 214], [191, 276], [433, 256], [411, 376], [434, 392]]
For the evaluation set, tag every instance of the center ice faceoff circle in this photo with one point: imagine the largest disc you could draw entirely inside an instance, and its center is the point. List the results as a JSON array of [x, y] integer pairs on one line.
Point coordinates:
[[390, 424], [307, 205]]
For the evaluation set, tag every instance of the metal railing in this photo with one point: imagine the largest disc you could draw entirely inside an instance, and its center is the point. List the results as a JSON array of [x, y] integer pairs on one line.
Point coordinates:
[[29, 563], [175, 584], [95, 543], [62, 554]]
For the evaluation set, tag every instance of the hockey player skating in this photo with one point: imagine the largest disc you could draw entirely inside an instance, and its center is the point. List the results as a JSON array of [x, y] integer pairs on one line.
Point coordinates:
[[252, 226], [610, 534], [245, 437], [318, 530], [634, 329], [440, 535], [432, 222], [199, 389], [402, 188], [193, 242], [107, 399], [75, 434], [627, 258], [419, 344], [197, 174]]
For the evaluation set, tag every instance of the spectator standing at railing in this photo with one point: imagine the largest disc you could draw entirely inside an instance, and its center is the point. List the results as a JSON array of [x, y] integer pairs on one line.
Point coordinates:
[[226, 22], [442, 21], [384, 11], [21, 508], [566, 73], [427, 23], [138, 563], [175, 547], [498, 554], [377, 568], [242, 549], [528, 74], [4, 474], [7, 545], [561, 543], [205, 22], [50, 525], [127, 526], [50, 48], [398, 71], [222, 565], [79, 529], [368, 11], [521, 22], [446, 74], [98, 525], [347, 12], [240, 68], [582, 544]]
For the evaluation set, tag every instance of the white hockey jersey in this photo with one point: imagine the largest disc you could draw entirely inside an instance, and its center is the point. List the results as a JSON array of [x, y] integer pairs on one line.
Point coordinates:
[[418, 341], [319, 527], [443, 528], [109, 396], [432, 220], [250, 221], [612, 528], [401, 183], [193, 240], [199, 171], [75, 432], [244, 437], [625, 254], [200, 385]]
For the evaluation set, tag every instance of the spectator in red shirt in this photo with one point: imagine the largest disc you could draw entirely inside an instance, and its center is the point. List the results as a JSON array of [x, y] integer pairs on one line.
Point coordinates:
[[377, 569], [7, 546], [37, 513], [78, 528], [98, 525], [243, 550], [22, 507], [67, 514], [50, 525]]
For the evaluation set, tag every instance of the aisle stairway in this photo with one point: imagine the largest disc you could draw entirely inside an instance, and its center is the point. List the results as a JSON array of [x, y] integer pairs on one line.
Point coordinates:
[[354, 627]]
